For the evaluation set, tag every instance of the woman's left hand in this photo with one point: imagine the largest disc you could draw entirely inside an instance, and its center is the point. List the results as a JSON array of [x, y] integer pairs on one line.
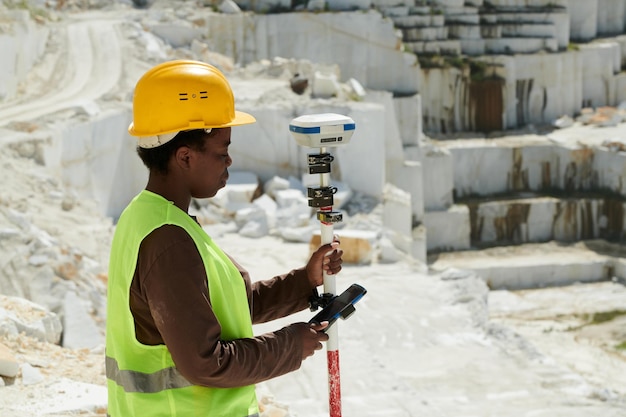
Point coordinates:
[[327, 258]]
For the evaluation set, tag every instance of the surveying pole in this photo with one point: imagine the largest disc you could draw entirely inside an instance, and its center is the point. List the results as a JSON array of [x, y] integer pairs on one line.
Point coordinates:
[[323, 131]]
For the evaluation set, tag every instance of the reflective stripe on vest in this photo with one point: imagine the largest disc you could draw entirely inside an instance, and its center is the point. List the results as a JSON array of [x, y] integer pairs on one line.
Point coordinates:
[[135, 381], [250, 415]]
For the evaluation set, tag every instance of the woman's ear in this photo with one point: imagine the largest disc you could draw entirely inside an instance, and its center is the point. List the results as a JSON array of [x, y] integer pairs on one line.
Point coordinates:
[[182, 157]]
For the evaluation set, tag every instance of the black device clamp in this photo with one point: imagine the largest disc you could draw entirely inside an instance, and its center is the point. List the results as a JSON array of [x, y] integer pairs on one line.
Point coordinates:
[[329, 216], [320, 163], [321, 197], [320, 301], [340, 306]]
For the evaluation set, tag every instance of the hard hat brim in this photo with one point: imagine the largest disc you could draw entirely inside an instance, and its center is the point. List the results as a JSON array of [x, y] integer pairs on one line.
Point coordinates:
[[241, 118]]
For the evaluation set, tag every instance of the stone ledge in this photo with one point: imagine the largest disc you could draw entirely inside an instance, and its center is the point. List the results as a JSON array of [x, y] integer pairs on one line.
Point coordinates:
[[535, 265]]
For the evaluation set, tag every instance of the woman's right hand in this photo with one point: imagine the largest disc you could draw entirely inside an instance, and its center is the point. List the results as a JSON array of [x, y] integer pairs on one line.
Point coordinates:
[[312, 336]]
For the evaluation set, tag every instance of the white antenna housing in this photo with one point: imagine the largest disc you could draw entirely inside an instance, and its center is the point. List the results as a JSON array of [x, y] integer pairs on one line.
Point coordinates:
[[322, 130]]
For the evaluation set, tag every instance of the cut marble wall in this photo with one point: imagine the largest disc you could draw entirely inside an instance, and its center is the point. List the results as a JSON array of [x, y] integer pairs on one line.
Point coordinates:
[[538, 87], [438, 168], [409, 116], [535, 167], [444, 94], [529, 219], [525, 274], [448, 229], [22, 43], [611, 17], [542, 87], [556, 87], [97, 159], [536, 190], [583, 20], [368, 49], [600, 62]]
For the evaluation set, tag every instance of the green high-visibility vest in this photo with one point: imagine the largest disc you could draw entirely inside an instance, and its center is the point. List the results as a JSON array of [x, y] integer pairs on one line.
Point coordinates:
[[143, 380]]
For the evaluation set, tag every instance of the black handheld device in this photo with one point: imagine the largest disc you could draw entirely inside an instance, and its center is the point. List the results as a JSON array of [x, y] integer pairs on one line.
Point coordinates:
[[341, 305]]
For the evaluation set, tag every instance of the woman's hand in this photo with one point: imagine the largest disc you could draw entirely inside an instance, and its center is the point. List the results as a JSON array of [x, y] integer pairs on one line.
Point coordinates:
[[312, 336], [327, 258]]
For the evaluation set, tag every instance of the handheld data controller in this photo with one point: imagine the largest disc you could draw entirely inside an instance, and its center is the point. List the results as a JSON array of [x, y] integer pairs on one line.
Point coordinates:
[[341, 305]]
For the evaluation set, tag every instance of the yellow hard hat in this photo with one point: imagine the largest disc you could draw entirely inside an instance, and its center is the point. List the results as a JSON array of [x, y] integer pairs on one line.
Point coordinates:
[[182, 95]]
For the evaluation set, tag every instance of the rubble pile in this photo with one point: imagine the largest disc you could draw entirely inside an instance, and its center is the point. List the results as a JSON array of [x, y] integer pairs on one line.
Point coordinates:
[[53, 254]]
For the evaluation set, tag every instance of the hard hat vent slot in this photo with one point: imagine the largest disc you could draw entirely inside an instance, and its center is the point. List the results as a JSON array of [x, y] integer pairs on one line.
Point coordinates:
[[185, 96]]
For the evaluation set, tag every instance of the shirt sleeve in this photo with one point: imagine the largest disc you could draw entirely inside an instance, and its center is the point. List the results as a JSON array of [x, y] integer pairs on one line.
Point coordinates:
[[279, 296], [171, 305]]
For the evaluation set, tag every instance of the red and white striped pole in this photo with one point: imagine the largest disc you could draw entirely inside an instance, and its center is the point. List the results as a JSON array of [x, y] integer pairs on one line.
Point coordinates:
[[330, 287]]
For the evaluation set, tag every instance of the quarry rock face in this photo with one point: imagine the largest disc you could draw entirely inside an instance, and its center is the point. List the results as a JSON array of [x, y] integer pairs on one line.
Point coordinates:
[[497, 90]]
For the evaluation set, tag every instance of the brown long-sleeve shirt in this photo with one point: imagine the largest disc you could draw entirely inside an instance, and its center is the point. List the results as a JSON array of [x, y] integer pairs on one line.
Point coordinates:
[[169, 300]]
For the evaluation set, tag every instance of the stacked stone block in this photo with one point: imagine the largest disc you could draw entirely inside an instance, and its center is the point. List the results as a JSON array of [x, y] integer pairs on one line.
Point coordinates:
[[453, 27]]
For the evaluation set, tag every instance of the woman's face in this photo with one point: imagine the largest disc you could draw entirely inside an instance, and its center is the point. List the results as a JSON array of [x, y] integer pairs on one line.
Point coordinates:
[[209, 170]]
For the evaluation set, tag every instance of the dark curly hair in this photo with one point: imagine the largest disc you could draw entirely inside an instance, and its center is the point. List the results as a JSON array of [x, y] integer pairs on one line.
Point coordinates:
[[156, 159]]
